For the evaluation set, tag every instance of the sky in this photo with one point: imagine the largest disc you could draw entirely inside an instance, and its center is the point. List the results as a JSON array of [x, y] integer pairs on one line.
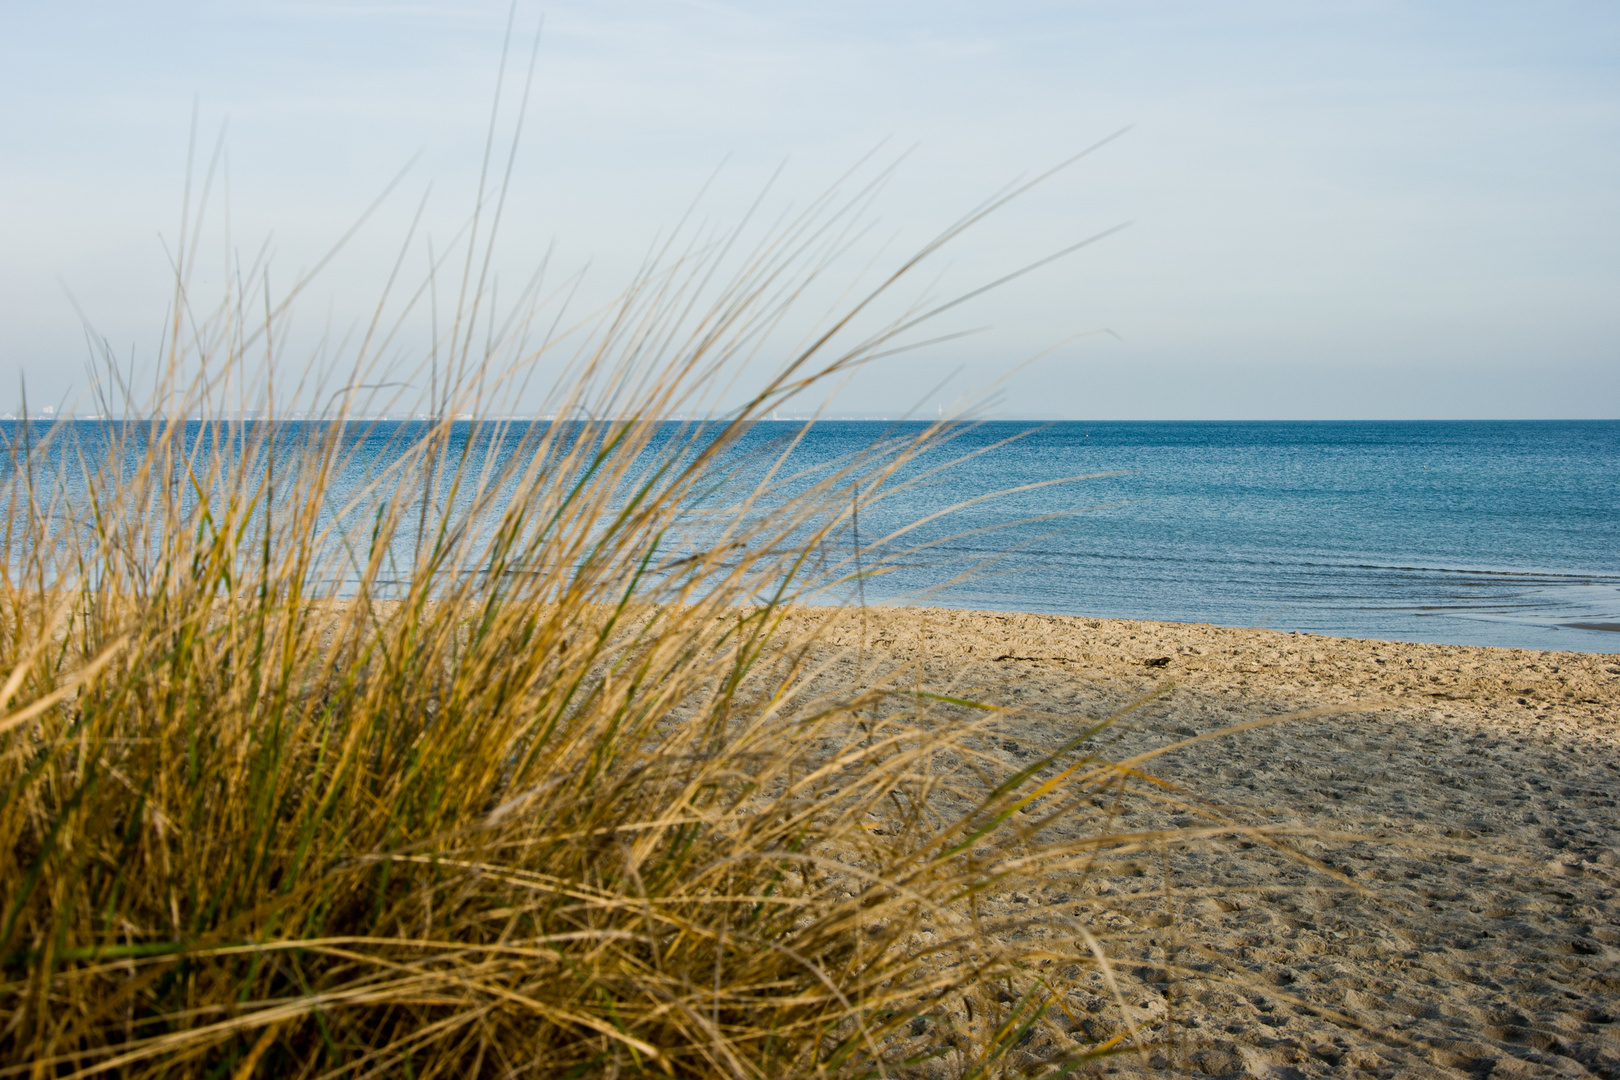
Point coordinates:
[[1335, 210]]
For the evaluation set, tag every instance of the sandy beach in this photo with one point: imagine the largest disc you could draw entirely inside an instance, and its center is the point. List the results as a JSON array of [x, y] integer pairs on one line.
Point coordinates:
[[1461, 918]]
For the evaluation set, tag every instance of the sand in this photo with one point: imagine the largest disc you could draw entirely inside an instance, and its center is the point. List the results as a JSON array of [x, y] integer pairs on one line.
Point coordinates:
[[1474, 932]]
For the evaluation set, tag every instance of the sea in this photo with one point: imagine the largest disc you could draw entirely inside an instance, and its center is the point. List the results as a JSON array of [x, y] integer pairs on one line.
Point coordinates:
[[1502, 533]]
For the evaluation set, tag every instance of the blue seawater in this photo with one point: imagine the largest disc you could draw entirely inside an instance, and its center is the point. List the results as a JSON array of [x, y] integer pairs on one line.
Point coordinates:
[[1481, 533]]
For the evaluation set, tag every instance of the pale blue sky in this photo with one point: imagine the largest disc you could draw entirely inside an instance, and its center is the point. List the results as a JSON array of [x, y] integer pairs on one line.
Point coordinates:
[[1342, 209]]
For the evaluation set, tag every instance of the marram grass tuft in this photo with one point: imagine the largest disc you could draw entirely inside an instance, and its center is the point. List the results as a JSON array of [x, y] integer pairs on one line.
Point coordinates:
[[507, 759]]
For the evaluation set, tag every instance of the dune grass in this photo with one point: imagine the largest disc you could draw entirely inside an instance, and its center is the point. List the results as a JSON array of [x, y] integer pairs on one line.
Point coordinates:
[[501, 759]]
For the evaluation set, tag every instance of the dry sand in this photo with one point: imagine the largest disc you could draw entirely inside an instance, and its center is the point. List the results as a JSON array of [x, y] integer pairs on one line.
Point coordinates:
[[1484, 937]]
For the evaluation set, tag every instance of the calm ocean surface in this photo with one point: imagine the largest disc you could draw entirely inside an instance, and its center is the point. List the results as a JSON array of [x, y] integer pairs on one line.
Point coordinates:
[[1481, 533]]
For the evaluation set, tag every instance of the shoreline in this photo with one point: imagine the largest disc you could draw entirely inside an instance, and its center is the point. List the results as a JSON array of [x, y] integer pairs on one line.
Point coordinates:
[[1460, 804], [1326, 669], [1597, 630]]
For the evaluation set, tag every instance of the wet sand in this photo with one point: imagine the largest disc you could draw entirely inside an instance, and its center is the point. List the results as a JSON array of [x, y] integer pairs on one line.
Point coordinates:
[[1472, 931]]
